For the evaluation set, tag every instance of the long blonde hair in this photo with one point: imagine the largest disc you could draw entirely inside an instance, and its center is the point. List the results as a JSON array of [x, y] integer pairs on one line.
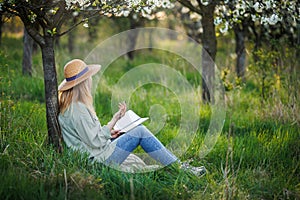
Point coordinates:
[[79, 93]]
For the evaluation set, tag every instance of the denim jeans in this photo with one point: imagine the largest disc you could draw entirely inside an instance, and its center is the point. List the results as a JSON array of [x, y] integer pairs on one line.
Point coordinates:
[[140, 135]]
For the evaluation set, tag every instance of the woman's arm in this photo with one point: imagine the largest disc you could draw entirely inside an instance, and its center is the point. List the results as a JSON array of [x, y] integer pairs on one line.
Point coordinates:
[[117, 116]]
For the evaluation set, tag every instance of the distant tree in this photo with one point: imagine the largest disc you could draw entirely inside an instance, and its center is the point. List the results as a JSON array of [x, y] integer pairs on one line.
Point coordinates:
[[134, 22], [27, 54], [191, 22], [72, 38], [138, 20], [93, 28], [1, 25], [4, 17], [209, 42], [261, 21], [50, 16]]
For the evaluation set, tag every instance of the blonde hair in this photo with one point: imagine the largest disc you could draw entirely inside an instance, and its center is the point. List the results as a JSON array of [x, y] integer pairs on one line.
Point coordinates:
[[79, 93]]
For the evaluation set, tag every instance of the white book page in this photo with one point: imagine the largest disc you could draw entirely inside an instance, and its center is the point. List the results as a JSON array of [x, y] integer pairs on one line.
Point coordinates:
[[134, 124], [129, 121]]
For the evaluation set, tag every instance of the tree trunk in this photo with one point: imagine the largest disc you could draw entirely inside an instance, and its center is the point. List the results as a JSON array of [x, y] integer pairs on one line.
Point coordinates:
[[71, 40], [1, 24], [27, 54], [257, 42], [240, 52], [93, 28], [298, 41], [151, 39], [50, 82], [209, 51], [133, 35]]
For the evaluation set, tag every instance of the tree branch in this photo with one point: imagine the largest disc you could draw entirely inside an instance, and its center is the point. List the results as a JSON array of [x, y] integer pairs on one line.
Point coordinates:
[[71, 28], [61, 12], [190, 6], [94, 14], [30, 27]]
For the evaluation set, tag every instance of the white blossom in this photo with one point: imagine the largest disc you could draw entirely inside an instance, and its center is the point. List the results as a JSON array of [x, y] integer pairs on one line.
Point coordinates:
[[200, 30], [160, 3], [268, 4], [253, 17], [185, 10], [205, 3], [157, 3], [194, 3], [225, 28], [236, 14], [264, 20], [52, 11], [217, 21], [70, 4], [132, 3], [274, 19], [75, 14], [240, 9], [86, 25], [258, 7], [121, 8], [126, 13], [167, 4], [195, 16], [146, 15], [292, 6], [147, 10]]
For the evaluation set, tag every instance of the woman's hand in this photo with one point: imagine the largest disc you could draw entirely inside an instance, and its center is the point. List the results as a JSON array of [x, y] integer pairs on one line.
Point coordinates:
[[121, 112], [117, 115], [115, 133]]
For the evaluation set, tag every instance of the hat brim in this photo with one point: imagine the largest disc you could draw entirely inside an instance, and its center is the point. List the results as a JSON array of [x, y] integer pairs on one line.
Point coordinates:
[[66, 85]]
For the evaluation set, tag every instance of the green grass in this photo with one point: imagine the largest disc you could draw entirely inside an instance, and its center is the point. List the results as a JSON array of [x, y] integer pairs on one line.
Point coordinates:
[[261, 151]]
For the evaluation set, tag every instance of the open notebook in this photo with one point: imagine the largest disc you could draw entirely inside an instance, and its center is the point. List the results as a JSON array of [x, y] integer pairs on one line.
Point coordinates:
[[129, 121]]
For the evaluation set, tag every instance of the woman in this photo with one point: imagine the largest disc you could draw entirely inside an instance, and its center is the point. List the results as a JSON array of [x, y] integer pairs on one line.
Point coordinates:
[[82, 130]]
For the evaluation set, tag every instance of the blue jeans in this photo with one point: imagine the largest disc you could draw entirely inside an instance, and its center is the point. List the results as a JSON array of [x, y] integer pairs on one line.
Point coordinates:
[[140, 135]]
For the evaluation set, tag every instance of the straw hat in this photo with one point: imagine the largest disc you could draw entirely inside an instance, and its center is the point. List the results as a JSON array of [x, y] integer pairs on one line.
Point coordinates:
[[75, 72]]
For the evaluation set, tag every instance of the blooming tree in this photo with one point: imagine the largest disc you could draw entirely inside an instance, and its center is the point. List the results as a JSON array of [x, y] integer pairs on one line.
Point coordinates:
[[241, 16], [266, 19], [206, 9], [44, 20]]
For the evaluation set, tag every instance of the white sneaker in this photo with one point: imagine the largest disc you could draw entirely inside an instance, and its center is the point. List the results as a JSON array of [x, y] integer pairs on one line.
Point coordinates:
[[198, 171]]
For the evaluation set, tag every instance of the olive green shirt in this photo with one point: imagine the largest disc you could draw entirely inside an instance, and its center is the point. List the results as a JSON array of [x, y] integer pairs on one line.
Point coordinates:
[[81, 130]]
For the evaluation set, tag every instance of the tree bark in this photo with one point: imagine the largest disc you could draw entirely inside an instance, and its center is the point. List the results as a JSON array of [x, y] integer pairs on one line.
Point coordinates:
[[51, 92], [71, 40], [1, 24], [46, 43], [240, 52], [209, 52], [133, 35], [27, 54], [257, 42], [93, 28], [72, 37]]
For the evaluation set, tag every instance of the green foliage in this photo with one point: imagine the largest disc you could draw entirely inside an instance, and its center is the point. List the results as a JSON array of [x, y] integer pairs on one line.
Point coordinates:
[[274, 68], [228, 84], [261, 152], [266, 69]]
